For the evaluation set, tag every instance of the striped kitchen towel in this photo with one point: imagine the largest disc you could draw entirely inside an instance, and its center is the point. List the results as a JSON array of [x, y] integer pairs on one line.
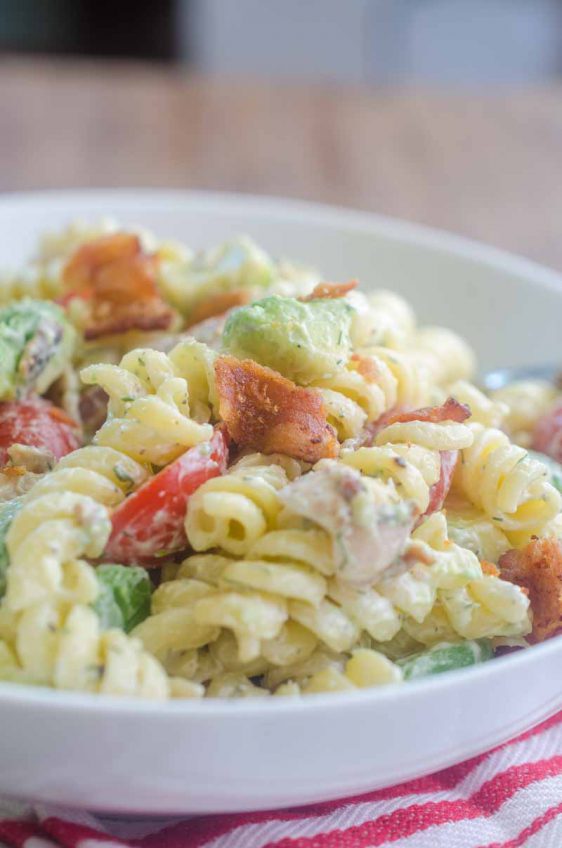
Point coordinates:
[[506, 798]]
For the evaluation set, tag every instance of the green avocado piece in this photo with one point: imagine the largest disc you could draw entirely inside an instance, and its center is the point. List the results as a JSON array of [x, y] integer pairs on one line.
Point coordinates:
[[36, 343], [554, 468], [124, 596], [303, 341], [8, 510]]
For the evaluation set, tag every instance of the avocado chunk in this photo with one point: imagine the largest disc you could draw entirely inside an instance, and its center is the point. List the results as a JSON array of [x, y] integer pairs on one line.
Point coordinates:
[[36, 343], [303, 341], [124, 596]]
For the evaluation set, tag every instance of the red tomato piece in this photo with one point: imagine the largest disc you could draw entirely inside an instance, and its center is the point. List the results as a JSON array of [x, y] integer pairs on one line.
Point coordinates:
[[150, 522], [439, 491], [39, 424], [547, 435]]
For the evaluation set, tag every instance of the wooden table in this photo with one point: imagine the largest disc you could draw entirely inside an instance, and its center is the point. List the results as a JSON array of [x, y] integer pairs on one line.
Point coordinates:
[[486, 164]]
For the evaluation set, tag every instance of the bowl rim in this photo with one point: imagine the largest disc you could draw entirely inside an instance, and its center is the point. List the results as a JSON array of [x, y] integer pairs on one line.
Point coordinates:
[[277, 206], [342, 217]]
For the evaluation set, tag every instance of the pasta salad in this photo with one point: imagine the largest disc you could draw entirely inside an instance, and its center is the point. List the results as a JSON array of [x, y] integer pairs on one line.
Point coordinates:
[[222, 476]]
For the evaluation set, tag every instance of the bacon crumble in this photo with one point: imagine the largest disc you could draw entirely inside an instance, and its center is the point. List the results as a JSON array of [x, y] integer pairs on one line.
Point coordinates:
[[538, 569], [451, 410], [116, 281], [331, 291], [265, 411]]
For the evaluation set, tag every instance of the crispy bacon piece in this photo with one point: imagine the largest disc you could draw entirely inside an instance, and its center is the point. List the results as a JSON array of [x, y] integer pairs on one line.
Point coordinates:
[[265, 411], [538, 569], [329, 290], [439, 491], [116, 281], [218, 304], [451, 410]]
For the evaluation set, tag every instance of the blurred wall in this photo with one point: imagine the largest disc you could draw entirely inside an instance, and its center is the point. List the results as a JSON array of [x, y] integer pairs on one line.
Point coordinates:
[[460, 42]]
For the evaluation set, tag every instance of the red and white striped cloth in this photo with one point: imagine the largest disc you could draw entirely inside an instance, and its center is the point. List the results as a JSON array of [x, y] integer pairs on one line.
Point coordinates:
[[509, 797]]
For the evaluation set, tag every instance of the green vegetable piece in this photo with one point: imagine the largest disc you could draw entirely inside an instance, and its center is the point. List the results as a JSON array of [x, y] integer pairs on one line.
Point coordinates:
[[445, 657], [8, 509], [124, 596], [303, 341], [36, 343], [554, 468]]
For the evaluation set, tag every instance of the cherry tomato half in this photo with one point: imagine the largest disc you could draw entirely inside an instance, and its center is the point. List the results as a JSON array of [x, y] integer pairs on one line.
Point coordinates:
[[37, 423], [150, 522]]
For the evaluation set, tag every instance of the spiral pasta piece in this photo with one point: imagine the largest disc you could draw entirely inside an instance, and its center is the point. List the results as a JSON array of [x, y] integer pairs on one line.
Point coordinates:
[[148, 415], [65, 517], [359, 393], [483, 410], [526, 401], [325, 672], [431, 435], [412, 469], [45, 540], [470, 528], [190, 612], [446, 596], [194, 362], [66, 649], [381, 318], [371, 384], [446, 356], [364, 669], [410, 376], [507, 484], [50, 629], [37, 281], [52, 635], [232, 512]]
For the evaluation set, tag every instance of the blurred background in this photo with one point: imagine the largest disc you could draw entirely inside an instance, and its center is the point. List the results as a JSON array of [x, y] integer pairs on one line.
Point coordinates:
[[447, 112], [453, 42]]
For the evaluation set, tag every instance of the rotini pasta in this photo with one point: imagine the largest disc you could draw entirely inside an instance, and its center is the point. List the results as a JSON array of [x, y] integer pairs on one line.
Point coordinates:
[[446, 356], [525, 402], [316, 501], [148, 414], [232, 512], [507, 484], [382, 318], [483, 410]]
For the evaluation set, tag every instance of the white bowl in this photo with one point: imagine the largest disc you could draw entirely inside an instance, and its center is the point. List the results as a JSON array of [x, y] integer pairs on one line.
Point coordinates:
[[131, 756]]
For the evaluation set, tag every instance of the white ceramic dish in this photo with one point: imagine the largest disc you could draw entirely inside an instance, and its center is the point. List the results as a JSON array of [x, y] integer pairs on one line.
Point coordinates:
[[132, 756]]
